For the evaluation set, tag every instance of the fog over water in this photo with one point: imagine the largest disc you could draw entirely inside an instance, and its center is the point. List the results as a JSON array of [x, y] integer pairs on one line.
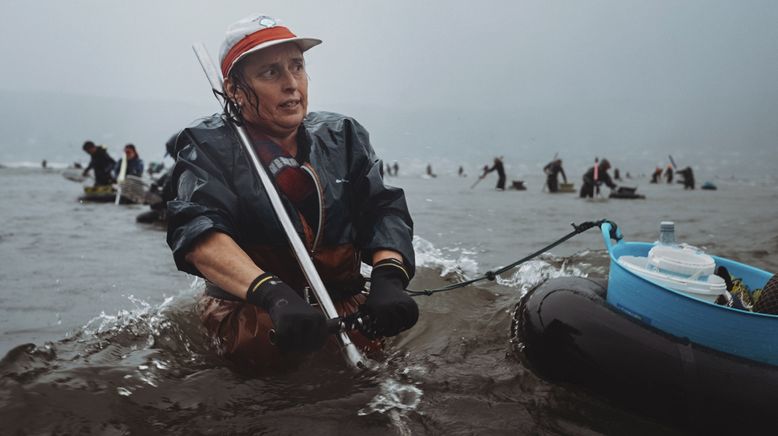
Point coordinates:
[[448, 82]]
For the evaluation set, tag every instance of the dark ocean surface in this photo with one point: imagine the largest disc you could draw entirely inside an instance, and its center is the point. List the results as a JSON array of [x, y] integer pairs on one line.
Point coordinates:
[[99, 334]]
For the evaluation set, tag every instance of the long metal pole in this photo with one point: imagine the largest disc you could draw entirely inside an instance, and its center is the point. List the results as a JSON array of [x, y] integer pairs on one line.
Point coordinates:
[[354, 357]]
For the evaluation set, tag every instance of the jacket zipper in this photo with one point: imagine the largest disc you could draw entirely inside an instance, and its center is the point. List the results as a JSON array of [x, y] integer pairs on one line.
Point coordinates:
[[320, 198]]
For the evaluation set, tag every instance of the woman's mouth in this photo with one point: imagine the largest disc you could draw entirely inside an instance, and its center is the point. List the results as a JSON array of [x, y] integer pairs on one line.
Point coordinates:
[[289, 104]]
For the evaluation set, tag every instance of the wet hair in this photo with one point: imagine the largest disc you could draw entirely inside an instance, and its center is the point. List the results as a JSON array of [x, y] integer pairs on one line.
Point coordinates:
[[232, 110], [87, 145], [132, 147]]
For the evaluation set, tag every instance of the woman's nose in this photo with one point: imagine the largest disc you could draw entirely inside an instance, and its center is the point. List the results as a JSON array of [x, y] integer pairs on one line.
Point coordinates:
[[290, 81]]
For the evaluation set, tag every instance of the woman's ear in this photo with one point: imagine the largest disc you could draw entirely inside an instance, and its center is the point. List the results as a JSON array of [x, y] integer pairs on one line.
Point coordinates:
[[232, 92]]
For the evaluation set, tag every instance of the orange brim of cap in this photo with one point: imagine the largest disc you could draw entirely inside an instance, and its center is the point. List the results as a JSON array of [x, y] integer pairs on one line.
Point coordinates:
[[262, 39]]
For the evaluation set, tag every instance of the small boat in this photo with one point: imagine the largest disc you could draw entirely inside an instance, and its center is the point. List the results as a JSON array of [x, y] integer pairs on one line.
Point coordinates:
[[139, 191], [134, 190], [102, 194], [708, 186], [518, 185], [566, 188], [74, 174], [674, 355], [626, 193]]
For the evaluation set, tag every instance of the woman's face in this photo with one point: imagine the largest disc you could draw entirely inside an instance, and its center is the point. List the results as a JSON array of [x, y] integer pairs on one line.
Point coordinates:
[[277, 76]]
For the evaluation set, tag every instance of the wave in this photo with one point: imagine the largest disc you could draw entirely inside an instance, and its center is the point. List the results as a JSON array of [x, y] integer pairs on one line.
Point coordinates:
[[428, 256], [458, 262], [30, 164]]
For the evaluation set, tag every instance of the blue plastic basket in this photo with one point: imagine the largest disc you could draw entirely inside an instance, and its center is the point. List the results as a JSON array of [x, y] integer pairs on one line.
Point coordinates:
[[741, 333]]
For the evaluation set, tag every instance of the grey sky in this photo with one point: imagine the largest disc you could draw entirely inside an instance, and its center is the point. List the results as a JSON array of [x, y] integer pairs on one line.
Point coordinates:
[[495, 59], [425, 52]]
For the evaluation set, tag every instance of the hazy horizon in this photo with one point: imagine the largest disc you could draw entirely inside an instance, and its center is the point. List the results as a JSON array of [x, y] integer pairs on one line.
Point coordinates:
[[439, 79]]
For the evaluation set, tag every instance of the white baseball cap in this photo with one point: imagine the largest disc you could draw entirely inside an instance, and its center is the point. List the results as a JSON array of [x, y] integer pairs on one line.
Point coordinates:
[[254, 33]]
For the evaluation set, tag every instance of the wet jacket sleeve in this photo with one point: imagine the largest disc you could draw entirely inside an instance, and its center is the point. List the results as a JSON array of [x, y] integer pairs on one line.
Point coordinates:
[[204, 201], [588, 176], [606, 178], [383, 220]]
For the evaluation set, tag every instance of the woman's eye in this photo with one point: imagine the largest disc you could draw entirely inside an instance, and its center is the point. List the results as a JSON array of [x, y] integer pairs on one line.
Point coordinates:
[[269, 73]]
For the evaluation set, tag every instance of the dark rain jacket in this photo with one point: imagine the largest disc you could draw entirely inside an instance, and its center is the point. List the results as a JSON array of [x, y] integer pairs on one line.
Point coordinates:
[[217, 190], [553, 169], [498, 166], [134, 167], [102, 163], [604, 177]]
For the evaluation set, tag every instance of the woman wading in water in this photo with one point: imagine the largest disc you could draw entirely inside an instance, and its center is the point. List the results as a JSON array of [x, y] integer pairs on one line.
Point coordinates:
[[223, 228]]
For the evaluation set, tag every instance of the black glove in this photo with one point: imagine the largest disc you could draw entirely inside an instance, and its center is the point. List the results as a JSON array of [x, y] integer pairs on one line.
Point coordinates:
[[298, 326], [388, 310]]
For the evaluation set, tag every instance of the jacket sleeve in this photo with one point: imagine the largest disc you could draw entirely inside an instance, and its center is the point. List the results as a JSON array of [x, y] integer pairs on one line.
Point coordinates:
[[382, 217], [588, 176], [606, 178], [204, 201]]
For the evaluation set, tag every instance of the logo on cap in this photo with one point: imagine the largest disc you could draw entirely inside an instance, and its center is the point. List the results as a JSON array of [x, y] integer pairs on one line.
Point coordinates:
[[266, 21]]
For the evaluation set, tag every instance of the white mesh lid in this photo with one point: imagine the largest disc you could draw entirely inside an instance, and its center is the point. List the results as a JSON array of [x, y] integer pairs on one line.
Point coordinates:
[[682, 260]]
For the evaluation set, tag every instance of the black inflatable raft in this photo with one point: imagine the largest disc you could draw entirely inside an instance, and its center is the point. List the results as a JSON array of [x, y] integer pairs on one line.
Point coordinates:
[[565, 331]]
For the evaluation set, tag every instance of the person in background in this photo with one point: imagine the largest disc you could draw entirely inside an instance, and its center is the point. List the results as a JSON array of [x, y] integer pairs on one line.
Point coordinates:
[[688, 177], [552, 170], [500, 168], [134, 162], [161, 188], [616, 174], [657, 175], [461, 172], [669, 174], [100, 162], [222, 226], [429, 171], [396, 168], [593, 178]]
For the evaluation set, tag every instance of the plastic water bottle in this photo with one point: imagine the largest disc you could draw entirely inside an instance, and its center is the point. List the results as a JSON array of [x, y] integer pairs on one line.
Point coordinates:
[[667, 233]]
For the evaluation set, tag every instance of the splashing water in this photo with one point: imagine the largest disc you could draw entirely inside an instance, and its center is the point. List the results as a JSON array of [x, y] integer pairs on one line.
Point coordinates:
[[428, 256], [394, 395], [394, 399], [151, 319], [533, 272]]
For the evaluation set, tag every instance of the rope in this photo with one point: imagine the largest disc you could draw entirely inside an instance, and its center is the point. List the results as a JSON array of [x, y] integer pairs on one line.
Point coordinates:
[[492, 275]]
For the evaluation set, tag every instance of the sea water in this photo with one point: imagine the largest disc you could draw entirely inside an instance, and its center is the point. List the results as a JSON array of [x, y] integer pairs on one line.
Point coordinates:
[[100, 336]]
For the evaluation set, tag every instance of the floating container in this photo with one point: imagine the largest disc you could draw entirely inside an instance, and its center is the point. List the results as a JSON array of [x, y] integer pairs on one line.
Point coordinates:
[[683, 307]]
